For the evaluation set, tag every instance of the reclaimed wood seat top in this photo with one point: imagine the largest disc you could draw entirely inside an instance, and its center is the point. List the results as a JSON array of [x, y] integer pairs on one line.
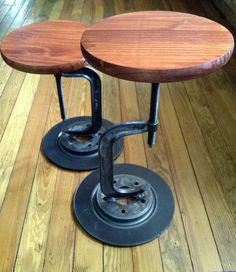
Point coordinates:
[[48, 47], [157, 46]]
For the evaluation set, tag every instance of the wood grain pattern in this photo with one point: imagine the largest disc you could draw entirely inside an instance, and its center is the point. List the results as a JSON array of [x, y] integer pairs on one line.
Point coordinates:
[[35, 232], [49, 47], [201, 242], [115, 259], [21, 180], [146, 257], [173, 243], [5, 72], [157, 46], [15, 8], [9, 98], [221, 154], [14, 131], [195, 153], [208, 181]]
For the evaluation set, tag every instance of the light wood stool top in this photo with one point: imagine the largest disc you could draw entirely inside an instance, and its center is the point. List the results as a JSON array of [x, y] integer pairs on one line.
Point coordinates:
[[48, 47], [157, 46]]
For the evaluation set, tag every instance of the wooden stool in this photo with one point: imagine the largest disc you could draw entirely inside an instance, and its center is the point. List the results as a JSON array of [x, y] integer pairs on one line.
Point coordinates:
[[53, 47], [150, 46]]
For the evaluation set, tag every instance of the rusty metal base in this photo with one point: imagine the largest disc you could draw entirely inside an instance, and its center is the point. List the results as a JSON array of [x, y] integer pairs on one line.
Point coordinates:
[[76, 153]]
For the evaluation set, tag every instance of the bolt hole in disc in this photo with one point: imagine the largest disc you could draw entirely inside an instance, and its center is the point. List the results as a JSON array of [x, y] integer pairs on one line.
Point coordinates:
[[126, 221], [76, 153]]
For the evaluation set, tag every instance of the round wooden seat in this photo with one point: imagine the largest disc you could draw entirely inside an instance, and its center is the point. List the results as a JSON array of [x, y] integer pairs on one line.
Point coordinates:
[[53, 47], [157, 46], [48, 47]]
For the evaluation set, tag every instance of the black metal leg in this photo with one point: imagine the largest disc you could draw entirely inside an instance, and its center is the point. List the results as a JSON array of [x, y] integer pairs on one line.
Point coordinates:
[[130, 204], [106, 153], [96, 100], [73, 143], [153, 116], [60, 94]]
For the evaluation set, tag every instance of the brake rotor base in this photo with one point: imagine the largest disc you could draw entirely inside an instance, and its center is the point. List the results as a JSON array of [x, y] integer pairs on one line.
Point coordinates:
[[126, 221], [77, 153]]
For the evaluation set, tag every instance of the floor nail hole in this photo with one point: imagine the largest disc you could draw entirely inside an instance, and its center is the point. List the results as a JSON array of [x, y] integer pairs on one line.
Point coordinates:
[[123, 211], [143, 200], [136, 183]]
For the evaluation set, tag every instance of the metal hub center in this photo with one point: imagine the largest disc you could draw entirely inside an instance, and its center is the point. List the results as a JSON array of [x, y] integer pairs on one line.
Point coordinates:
[[80, 144], [126, 210]]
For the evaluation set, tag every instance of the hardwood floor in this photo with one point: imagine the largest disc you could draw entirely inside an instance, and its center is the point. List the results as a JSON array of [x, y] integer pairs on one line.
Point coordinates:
[[195, 154]]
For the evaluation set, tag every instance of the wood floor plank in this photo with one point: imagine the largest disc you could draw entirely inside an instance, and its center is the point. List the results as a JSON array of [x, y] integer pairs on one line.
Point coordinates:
[[11, 138], [77, 12], [19, 188], [88, 253], [220, 154], [220, 216], [115, 258], [55, 13], [143, 5], [201, 242], [5, 9], [35, 12], [87, 13], [27, 15], [225, 118], [195, 154], [224, 89], [34, 236], [20, 17], [146, 257], [12, 13], [2, 2], [5, 72], [83, 242], [61, 238], [9, 97], [67, 9], [60, 244], [46, 10], [173, 243]]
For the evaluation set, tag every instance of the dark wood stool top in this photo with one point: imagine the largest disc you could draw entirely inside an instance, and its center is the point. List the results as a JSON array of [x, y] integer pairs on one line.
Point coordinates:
[[157, 46], [48, 47]]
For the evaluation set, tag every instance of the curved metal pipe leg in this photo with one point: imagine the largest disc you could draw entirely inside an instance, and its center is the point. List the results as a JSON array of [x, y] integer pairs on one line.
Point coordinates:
[[96, 98], [105, 156], [130, 128]]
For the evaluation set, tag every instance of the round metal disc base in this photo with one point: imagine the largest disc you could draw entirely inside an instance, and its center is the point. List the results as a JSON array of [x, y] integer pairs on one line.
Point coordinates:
[[78, 153], [126, 221]]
